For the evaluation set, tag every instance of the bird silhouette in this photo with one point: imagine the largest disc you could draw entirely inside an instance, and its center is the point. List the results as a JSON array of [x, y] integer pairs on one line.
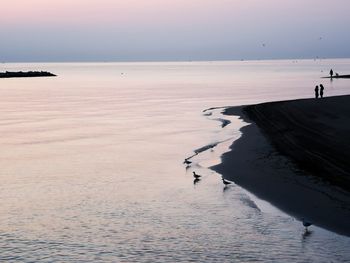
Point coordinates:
[[306, 224], [226, 182], [197, 176], [187, 162], [196, 181]]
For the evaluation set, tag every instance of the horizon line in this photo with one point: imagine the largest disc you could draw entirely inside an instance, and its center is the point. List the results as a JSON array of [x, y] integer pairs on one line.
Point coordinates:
[[167, 61]]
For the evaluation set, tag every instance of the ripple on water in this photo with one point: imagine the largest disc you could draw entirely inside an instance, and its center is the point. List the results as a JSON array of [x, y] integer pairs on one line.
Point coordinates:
[[91, 165]]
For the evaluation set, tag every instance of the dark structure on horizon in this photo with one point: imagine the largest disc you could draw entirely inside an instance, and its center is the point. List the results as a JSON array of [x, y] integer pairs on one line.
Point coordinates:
[[338, 77], [29, 74]]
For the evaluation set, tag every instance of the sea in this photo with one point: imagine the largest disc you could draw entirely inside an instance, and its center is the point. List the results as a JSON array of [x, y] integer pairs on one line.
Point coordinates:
[[92, 163]]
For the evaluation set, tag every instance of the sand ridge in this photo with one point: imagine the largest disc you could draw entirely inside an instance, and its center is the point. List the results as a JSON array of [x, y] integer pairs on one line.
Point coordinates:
[[293, 154]]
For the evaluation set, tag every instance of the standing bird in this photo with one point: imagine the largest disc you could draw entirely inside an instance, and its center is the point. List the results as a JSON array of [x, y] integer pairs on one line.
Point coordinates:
[[306, 224], [196, 181], [226, 182], [196, 176], [187, 162]]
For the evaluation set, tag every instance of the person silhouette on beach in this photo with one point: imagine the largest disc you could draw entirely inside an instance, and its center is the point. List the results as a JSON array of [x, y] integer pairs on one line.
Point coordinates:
[[331, 73], [316, 92], [321, 90]]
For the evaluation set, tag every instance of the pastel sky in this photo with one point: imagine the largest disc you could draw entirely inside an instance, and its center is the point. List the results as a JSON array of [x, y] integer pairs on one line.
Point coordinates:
[[115, 30]]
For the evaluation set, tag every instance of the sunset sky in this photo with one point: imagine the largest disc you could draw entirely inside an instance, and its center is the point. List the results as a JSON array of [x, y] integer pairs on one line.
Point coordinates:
[[113, 30]]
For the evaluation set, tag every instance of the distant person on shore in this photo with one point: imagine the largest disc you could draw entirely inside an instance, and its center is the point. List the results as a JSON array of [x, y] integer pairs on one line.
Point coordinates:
[[331, 73], [321, 90], [316, 92]]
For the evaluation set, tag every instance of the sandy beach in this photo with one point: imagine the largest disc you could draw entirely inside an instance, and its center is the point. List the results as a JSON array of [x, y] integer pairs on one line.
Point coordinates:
[[295, 155]]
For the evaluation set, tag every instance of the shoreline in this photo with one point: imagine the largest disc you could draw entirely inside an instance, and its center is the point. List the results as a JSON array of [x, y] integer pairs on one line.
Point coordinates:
[[269, 158]]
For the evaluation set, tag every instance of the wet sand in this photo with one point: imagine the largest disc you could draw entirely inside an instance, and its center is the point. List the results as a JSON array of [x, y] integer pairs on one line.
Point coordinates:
[[295, 155]]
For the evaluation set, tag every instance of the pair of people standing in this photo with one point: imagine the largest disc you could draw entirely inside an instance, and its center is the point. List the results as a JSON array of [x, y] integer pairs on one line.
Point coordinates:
[[319, 91]]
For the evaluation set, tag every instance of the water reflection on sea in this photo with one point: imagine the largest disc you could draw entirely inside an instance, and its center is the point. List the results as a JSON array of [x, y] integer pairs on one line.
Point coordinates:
[[92, 164]]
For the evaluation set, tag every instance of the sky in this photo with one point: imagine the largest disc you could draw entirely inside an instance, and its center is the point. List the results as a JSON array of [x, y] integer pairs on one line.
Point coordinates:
[[167, 30]]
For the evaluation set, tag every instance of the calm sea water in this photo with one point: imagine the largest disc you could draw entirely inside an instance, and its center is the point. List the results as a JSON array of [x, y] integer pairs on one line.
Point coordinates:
[[92, 164]]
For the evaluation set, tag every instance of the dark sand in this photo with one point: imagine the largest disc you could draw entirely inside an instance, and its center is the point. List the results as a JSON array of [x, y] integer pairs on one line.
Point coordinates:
[[296, 155]]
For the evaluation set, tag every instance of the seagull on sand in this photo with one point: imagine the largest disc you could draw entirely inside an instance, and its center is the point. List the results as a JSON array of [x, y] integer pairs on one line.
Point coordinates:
[[306, 224], [187, 162], [197, 176], [196, 181], [226, 182]]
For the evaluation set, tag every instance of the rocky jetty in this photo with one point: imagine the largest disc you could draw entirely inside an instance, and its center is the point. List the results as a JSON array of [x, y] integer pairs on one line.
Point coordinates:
[[29, 74]]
